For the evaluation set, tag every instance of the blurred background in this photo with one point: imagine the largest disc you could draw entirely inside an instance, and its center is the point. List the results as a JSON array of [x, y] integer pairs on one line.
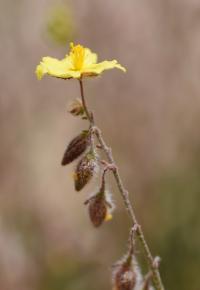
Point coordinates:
[[150, 116]]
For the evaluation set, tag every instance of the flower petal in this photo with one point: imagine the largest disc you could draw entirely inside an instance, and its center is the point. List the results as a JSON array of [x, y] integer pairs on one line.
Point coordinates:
[[40, 71], [56, 68], [100, 67], [90, 58], [108, 217]]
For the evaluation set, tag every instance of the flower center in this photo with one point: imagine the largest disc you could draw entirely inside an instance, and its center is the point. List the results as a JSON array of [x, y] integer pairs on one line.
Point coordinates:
[[77, 54]]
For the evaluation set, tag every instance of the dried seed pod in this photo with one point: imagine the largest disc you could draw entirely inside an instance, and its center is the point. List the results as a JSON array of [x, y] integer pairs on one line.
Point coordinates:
[[76, 108], [85, 171], [76, 147]]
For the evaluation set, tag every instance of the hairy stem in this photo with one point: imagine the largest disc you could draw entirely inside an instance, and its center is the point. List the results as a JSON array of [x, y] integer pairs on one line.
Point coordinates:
[[125, 196]]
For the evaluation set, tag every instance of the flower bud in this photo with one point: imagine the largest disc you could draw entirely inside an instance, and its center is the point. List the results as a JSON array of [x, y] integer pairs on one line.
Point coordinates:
[[76, 147], [85, 171], [126, 273], [97, 209], [125, 278], [76, 108]]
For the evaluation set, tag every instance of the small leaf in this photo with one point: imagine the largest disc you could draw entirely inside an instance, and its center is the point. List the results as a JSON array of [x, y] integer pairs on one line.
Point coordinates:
[[76, 147]]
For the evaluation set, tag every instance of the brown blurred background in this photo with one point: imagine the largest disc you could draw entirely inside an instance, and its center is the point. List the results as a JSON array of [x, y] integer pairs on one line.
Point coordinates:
[[150, 116]]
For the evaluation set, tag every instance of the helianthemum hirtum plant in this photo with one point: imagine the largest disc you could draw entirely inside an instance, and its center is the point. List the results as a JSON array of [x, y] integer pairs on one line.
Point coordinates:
[[79, 64]]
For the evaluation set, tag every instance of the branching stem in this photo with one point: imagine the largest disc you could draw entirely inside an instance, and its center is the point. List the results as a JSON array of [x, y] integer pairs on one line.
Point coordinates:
[[125, 195]]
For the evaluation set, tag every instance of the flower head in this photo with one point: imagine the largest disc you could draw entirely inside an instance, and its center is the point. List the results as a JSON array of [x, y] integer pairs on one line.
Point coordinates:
[[80, 62]]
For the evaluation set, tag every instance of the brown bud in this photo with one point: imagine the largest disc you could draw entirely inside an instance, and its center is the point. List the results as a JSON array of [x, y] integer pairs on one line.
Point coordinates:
[[97, 209], [84, 171], [76, 108], [76, 147], [125, 278]]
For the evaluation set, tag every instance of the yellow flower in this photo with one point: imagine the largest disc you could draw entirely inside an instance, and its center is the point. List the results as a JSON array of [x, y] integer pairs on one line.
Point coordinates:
[[80, 62]]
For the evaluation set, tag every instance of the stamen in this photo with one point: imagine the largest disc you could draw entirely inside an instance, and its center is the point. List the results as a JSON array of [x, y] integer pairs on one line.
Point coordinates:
[[77, 54]]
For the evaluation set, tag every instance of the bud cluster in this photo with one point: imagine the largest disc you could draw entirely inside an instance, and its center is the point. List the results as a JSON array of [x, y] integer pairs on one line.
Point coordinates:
[[126, 273], [100, 204]]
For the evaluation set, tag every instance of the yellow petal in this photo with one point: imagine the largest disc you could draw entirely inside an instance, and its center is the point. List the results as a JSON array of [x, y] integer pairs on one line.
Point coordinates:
[[56, 68], [100, 67], [40, 71], [90, 58], [108, 217]]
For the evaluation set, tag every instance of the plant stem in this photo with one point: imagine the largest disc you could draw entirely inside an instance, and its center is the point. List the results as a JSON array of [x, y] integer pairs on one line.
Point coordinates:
[[125, 196], [129, 208], [88, 114]]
